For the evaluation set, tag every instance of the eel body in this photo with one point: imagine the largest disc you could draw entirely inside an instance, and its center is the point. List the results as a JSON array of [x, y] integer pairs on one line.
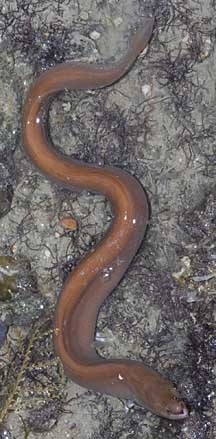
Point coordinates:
[[101, 270]]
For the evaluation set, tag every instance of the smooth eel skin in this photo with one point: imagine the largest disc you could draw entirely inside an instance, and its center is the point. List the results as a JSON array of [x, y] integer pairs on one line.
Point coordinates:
[[101, 270]]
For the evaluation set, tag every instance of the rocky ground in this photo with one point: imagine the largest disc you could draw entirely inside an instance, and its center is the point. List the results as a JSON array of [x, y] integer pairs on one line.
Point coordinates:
[[157, 123]]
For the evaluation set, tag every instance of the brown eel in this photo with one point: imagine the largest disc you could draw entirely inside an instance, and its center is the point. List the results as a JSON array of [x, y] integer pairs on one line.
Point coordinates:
[[101, 270]]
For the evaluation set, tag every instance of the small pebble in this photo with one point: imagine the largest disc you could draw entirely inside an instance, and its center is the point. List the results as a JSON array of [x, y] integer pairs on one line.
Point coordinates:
[[68, 223], [146, 90], [117, 21], [95, 35]]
